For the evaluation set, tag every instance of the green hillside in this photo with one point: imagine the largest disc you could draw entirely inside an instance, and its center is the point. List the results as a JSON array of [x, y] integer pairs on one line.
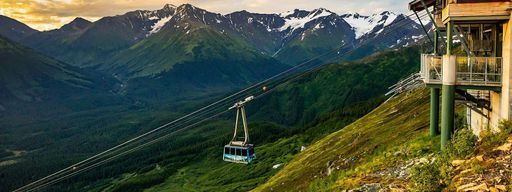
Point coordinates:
[[33, 85], [190, 62], [214, 56], [346, 158], [336, 86], [28, 77]]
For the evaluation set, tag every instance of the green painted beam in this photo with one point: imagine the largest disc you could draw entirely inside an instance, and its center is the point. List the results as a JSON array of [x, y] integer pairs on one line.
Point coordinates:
[[466, 87], [447, 114], [488, 19], [434, 111]]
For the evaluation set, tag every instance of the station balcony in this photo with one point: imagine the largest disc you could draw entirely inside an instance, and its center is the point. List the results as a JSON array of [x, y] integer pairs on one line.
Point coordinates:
[[469, 71]]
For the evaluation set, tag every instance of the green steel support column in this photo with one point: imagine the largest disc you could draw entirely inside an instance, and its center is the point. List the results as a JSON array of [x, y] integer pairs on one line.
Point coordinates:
[[448, 92], [434, 111], [448, 113]]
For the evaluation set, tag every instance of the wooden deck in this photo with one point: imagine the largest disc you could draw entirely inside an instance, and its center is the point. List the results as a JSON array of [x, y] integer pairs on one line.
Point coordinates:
[[477, 11]]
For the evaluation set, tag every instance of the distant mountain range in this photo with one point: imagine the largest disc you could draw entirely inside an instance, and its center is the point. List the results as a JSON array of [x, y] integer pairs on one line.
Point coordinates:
[[290, 37], [185, 49]]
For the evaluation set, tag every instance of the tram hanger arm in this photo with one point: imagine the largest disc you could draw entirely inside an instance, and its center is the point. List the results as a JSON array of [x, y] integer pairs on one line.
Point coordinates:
[[242, 103]]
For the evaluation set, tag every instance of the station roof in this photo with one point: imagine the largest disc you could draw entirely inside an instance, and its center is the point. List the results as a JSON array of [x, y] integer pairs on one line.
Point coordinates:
[[417, 5]]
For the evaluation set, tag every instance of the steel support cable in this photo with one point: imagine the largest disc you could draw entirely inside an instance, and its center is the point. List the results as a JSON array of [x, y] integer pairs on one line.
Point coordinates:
[[84, 162], [125, 153], [157, 129], [188, 115], [81, 163], [161, 138]]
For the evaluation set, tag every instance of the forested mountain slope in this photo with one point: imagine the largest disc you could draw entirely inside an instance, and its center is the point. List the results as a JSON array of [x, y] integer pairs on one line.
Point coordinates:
[[193, 163], [30, 78]]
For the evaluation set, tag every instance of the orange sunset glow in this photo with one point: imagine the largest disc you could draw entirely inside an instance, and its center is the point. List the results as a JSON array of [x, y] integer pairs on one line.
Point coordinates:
[[51, 14]]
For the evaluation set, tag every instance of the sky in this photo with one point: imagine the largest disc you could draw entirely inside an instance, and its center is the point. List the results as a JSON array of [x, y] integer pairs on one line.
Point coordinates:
[[51, 14]]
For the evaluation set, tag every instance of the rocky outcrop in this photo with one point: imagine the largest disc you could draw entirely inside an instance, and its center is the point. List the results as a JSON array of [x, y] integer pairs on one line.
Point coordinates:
[[489, 171]]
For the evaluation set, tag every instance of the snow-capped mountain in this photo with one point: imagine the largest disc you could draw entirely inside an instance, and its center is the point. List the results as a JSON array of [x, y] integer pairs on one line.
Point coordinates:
[[365, 24], [290, 37]]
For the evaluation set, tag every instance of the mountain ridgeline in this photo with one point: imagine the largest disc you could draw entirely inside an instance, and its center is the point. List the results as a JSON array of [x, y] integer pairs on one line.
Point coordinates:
[[289, 37]]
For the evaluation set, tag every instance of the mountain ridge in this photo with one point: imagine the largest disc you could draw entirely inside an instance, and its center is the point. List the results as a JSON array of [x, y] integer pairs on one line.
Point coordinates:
[[290, 37], [14, 29]]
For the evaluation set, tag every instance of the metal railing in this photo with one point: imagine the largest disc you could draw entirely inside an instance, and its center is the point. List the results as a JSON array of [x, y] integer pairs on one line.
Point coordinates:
[[431, 68], [478, 71]]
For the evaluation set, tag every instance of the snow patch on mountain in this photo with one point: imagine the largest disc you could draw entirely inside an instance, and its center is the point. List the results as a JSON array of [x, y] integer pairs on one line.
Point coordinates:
[[294, 23], [286, 14], [159, 24], [390, 18], [364, 24]]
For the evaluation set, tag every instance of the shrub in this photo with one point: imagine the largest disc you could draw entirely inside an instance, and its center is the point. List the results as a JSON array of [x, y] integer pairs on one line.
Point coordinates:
[[425, 177], [462, 144], [445, 169], [490, 140]]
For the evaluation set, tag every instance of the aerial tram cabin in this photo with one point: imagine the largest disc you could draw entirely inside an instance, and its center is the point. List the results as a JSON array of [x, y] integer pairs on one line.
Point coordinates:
[[240, 151]]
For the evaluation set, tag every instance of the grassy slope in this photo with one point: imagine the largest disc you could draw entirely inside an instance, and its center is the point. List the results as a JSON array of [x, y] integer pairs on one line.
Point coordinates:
[[362, 147]]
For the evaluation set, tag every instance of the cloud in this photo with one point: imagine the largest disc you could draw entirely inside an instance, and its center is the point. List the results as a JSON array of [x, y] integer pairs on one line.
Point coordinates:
[[50, 14]]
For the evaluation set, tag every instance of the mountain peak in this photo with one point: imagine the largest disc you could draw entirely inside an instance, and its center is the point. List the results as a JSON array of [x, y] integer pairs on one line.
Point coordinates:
[[77, 24], [387, 13], [14, 29], [80, 20], [187, 6], [322, 11], [169, 7], [191, 12]]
